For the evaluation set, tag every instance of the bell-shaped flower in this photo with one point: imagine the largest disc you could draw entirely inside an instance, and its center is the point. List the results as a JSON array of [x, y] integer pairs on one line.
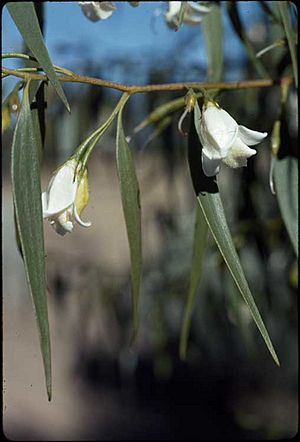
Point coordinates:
[[95, 11], [223, 140], [65, 198], [193, 13]]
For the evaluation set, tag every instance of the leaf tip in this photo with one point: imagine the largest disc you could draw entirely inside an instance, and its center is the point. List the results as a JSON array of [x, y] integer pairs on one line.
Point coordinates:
[[49, 393], [276, 360]]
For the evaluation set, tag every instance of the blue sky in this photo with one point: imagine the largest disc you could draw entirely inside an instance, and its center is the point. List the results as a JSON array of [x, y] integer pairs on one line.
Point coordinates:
[[134, 33]]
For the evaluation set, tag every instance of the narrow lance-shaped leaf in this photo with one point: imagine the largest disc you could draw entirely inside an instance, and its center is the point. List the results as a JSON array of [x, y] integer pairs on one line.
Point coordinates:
[[24, 16], [213, 210], [33, 89], [130, 196], [286, 186], [210, 202], [28, 214], [199, 243], [213, 35], [290, 35]]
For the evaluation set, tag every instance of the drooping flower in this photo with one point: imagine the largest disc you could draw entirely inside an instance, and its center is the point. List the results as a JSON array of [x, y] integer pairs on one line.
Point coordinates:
[[193, 13], [65, 198], [95, 11], [223, 140]]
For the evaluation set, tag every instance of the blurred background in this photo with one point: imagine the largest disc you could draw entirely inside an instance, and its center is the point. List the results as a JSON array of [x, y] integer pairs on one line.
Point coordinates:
[[103, 389]]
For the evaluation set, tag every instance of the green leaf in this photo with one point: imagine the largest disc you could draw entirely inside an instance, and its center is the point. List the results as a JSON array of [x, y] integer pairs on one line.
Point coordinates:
[[290, 35], [210, 202], [199, 243], [28, 211], [214, 42], [286, 187], [213, 211], [130, 196], [24, 16]]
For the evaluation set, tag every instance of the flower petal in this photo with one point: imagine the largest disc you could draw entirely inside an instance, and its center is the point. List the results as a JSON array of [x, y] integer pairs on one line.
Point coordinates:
[[210, 167], [192, 16], [62, 230], [194, 13], [79, 220], [44, 203], [95, 11], [218, 132], [174, 9], [238, 154], [62, 189], [251, 137], [62, 224], [196, 8]]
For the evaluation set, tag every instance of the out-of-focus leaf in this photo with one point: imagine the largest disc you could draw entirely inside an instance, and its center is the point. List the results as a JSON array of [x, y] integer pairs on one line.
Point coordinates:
[[159, 128], [199, 243], [290, 35], [239, 29], [286, 187], [5, 117], [24, 16], [130, 196], [10, 105], [213, 34], [28, 212], [210, 202]]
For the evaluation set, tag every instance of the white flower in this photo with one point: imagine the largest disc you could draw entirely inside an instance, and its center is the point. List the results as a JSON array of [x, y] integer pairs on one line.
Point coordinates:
[[95, 11], [66, 198], [223, 140], [193, 13]]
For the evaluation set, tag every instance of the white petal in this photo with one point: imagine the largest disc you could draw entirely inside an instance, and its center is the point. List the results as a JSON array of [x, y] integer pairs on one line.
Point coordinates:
[[174, 8], [194, 13], [192, 20], [196, 8], [44, 203], [238, 154], [192, 16], [210, 167], [95, 11], [62, 230], [62, 189], [62, 223], [251, 137], [79, 220], [218, 132]]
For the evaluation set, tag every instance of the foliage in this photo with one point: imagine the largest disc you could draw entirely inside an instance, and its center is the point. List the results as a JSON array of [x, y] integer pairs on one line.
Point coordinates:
[[210, 213]]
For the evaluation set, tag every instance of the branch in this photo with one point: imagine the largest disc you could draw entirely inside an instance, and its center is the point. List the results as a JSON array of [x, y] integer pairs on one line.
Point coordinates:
[[134, 89]]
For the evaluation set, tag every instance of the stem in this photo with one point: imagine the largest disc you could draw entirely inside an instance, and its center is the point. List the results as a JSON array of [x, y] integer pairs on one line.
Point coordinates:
[[31, 58], [134, 89], [85, 149]]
